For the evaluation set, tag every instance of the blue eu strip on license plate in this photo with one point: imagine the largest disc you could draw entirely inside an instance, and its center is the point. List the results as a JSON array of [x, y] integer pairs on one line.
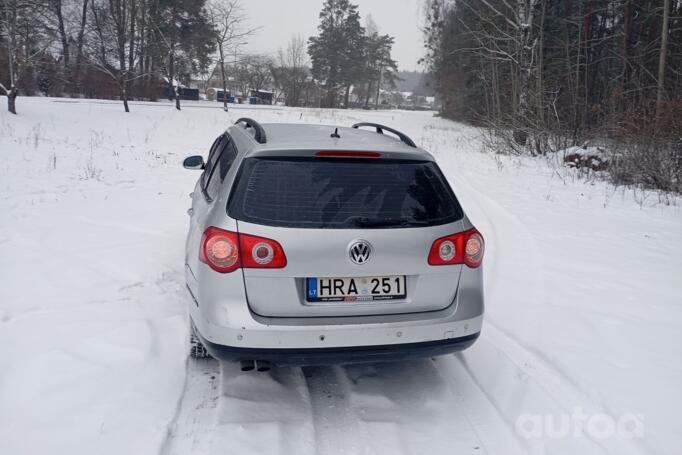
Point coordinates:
[[312, 288]]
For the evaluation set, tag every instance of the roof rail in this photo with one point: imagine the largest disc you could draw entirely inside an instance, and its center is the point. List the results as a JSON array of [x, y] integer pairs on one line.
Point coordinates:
[[380, 129], [259, 132]]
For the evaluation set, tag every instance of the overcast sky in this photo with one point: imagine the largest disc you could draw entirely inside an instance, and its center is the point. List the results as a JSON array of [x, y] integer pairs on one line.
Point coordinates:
[[280, 19]]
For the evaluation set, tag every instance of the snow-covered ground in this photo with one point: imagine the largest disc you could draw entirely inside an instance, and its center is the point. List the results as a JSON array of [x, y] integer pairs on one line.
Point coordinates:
[[581, 350]]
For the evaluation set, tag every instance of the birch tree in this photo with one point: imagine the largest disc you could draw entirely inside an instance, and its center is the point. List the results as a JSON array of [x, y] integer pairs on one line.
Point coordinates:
[[526, 42]]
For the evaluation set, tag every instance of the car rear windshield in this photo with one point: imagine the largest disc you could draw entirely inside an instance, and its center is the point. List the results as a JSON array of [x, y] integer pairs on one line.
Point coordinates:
[[342, 193]]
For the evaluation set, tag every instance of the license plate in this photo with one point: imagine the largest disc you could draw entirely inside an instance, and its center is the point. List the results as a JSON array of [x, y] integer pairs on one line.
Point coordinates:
[[356, 289]]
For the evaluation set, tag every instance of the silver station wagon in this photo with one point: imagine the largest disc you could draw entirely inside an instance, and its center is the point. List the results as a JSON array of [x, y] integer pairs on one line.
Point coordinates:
[[313, 244]]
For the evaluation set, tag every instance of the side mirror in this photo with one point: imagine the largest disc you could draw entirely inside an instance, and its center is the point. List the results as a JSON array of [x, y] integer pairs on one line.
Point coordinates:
[[194, 162]]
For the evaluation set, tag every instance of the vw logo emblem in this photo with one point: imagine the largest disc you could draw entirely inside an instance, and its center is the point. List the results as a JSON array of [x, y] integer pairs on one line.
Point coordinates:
[[359, 251]]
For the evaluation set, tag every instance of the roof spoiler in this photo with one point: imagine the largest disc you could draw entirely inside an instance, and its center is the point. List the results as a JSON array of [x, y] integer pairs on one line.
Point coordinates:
[[380, 129]]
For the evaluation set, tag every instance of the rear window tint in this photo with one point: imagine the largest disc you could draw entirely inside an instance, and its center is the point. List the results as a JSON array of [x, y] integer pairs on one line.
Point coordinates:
[[342, 193]]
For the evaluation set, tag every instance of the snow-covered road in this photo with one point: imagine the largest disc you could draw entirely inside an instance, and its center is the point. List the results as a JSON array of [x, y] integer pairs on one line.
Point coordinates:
[[580, 351], [398, 408]]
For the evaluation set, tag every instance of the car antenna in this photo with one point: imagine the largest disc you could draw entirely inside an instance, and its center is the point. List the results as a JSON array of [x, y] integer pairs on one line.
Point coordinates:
[[335, 134]]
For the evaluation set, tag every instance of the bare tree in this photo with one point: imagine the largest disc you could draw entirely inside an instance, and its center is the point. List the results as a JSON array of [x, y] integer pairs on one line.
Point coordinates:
[[227, 19], [260, 75], [291, 73], [66, 20], [252, 72], [544, 75], [113, 53], [80, 38], [500, 32], [515, 44], [20, 30], [56, 8]]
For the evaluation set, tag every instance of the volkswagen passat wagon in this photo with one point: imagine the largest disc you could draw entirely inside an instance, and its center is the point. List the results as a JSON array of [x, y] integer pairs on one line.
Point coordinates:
[[312, 244]]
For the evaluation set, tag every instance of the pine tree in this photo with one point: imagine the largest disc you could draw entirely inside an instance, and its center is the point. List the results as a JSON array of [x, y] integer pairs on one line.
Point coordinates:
[[184, 37], [380, 69], [337, 53]]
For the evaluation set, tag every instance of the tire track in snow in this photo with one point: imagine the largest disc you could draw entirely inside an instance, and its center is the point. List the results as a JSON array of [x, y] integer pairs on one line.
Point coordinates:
[[263, 413], [224, 410], [521, 239], [190, 429], [392, 408], [389, 408], [333, 419], [544, 384], [480, 410], [407, 407]]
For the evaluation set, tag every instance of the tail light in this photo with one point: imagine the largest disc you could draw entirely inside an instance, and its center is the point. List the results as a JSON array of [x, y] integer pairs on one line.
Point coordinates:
[[226, 251], [259, 252], [462, 248], [220, 250]]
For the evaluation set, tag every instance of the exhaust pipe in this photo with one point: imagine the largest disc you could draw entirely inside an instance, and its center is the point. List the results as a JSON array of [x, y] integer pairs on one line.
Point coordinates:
[[263, 365], [248, 365]]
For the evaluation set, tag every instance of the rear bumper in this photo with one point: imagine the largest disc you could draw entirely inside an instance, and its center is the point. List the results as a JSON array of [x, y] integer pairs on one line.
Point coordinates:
[[341, 355], [241, 332], [224, 320]]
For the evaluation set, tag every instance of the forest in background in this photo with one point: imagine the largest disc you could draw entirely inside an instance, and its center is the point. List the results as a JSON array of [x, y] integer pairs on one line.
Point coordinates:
[[545, 75], [146, 49], [107, 48]]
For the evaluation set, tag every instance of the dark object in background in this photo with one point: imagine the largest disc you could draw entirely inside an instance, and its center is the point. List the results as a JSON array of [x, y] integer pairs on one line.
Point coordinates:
[[221, 94], [191, 94], [260, 97]]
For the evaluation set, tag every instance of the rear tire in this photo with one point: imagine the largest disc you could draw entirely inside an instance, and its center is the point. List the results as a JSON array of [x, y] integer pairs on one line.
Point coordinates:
[[196, 349]]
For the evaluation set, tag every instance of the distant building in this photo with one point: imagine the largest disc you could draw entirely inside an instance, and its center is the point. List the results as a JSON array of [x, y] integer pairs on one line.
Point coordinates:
[[184, 93], [260, 96], [216, 94]]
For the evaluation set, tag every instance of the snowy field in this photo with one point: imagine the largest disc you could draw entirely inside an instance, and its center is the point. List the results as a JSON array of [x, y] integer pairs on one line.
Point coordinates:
[[581, 350]]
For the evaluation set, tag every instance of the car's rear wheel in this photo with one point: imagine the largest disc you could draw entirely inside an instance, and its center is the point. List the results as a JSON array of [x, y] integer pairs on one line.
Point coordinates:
[[196, 348]]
